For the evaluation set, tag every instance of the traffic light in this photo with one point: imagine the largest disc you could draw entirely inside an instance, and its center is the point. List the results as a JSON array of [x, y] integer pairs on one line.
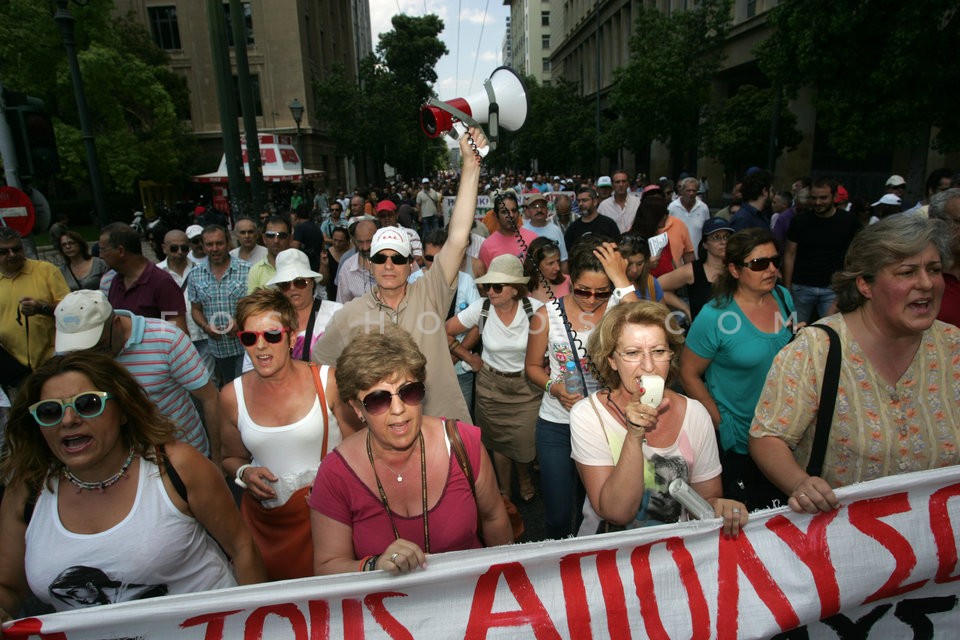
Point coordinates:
[[33, 135]]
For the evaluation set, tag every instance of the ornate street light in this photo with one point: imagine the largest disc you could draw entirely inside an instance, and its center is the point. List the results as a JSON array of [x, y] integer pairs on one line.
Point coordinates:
[[296, 110]]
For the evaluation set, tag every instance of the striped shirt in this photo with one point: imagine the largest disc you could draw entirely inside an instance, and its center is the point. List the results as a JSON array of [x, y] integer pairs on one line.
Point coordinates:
[[168, 367], [219, 298]]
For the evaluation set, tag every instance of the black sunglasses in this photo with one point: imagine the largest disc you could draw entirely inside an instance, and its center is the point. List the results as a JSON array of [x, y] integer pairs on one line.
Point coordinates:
[[299, 283], [381, 258], [88, 404], [590, 293], [761, 264], [249, 338], [178, 248], [12, 251], [282, 235], [429, 257], [377, 402], [497, 288]]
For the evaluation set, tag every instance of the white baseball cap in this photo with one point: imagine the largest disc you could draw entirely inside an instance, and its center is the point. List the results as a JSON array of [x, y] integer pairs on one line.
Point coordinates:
[[391, 238], [604, 181], [193, 231], [80, 318]]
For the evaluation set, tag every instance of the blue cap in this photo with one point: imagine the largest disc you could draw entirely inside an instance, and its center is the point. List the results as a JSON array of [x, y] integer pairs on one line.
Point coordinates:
[[716, 224]]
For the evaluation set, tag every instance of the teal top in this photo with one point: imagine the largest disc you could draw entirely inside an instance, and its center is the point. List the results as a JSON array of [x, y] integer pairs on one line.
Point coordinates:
[[740, 356]]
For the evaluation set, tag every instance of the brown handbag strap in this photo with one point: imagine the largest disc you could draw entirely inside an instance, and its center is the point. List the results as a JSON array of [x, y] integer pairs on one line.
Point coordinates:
[[460, 453], [323, 407]]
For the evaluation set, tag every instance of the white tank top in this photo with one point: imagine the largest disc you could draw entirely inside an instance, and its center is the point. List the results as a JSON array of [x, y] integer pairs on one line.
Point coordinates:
[[155, 550], [292, 452]]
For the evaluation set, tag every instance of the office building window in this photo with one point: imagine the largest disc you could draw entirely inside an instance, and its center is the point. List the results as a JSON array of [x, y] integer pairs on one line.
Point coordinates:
[[751, 8], [545, 41], [544, 18], [163, 26], [546, 65], [255, 87], [247, 21]]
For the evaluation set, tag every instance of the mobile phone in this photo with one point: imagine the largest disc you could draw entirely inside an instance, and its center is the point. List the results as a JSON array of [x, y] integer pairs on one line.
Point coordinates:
[[652, 390], [695, 505]]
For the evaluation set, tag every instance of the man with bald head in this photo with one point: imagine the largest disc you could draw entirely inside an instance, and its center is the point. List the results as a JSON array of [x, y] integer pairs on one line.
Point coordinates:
[[176, 248], [353, 276]]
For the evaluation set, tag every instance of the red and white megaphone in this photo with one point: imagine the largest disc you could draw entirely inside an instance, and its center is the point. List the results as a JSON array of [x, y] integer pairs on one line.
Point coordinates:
[[502, 103]]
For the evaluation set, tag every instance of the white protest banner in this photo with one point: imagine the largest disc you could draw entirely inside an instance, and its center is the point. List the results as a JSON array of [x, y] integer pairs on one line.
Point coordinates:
[[884, 565]]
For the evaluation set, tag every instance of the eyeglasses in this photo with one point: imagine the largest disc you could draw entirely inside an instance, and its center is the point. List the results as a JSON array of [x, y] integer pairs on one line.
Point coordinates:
[[537, 205], [761, 264], [497, 288], [377, 402], [88, 404], [11, 251], [178, 248], [68, 243], [590, 293], [381, 258], [280, 235], [272, 336], [299, 283], [639, 355], [429, 257]]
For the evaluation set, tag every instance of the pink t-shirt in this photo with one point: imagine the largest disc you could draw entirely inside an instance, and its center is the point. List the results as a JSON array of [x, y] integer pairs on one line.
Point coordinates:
[[499, 244], [340, 494]]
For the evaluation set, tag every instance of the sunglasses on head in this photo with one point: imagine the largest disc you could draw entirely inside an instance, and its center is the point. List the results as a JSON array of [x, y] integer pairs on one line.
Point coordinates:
[[381, 258], [377, 402], [178, 248], [497, 288], [761, 264], [590, 293], [281, 235], [272, 336], [299, 283], [88, 404]]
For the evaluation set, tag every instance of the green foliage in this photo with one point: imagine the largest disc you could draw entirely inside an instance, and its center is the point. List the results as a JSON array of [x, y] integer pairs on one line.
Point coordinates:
[[736, 132], [380, 118], [883, 72], [130, 92], [660, 93], [559, 133]]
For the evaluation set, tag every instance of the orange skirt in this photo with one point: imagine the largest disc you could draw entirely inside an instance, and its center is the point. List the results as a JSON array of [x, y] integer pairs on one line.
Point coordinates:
[[282, 535]]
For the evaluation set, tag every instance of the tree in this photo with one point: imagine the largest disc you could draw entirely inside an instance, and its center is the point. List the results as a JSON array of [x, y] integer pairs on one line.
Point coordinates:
[[660, 93], [379, 119], [884, 73], [736, 132]]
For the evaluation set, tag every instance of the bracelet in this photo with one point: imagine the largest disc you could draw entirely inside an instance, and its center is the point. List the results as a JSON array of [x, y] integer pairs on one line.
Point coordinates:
[[546, 387], [238, 480], [454, 345], [363, 563], [370, 563]]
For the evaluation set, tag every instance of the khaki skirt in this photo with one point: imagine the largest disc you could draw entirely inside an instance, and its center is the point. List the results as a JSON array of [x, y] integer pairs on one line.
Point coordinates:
[[507, 405]]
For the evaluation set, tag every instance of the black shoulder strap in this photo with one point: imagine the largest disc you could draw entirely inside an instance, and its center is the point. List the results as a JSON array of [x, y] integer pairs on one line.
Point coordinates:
[[484, 314], [175, 478], [33, 494], [527, 307], [783, 300], [828, 402], [308, 336]]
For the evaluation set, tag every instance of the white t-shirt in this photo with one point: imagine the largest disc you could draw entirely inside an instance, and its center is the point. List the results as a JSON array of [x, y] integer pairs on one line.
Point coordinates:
[[504, 347], [259, 253]]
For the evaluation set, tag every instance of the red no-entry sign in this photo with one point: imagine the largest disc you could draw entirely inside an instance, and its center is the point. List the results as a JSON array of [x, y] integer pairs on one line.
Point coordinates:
[[16, 210]]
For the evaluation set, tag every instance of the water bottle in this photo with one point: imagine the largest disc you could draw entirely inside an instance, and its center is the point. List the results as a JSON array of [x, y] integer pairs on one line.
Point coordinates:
[[572, 383]]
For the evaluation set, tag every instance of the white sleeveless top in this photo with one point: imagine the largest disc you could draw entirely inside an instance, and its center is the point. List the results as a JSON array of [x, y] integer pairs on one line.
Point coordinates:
[[292, 452], [155, 550]]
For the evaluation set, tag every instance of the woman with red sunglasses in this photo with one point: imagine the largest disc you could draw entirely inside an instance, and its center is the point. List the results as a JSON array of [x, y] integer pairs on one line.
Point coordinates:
[[729, 349], [396, 491], [278, 421]]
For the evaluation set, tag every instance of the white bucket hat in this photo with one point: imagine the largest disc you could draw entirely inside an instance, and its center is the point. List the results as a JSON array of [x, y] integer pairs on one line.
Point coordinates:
[[293, 264], [504, 269]]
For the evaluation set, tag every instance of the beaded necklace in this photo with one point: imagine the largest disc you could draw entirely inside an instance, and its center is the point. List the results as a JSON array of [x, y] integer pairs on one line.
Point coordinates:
[[102, 485]]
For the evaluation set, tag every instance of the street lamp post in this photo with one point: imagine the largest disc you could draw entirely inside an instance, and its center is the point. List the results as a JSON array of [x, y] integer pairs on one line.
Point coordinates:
[[296, 110], [65, 21]]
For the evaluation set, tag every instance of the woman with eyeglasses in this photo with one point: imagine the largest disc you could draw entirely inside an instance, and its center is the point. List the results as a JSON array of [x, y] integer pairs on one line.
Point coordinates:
[[396, 491], [80, 269], [99, 486], [628, 452], [507, 403], [729, 349], [698, 276], [599, 275], [278, 422], [542, 265]]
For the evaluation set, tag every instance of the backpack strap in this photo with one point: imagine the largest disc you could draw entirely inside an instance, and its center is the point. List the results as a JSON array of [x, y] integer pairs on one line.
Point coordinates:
[[484, 314], [828, 402], [527, 308], [308, 336]]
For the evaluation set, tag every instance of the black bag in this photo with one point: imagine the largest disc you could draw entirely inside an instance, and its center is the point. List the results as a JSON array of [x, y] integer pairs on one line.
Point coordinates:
[[12, 371]]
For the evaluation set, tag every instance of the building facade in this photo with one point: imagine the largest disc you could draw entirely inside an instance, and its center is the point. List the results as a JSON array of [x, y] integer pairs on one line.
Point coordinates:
[[530, 37], [290, 44]]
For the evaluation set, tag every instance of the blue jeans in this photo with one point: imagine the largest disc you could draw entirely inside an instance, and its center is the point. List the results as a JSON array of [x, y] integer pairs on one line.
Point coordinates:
[[229, 368], [466, 388], [558, 477], [430, 223], [807, 298]]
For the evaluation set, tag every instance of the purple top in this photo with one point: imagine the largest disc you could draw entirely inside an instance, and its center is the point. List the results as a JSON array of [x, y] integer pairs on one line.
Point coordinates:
[[153, 295], [340, 494]]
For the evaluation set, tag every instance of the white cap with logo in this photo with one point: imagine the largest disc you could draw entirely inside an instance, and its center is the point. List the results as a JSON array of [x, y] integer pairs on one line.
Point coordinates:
[[80, 318]]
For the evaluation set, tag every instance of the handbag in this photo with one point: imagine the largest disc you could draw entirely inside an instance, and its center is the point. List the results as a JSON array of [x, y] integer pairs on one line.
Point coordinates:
[[12, 371], [828, 402], [460, 453]]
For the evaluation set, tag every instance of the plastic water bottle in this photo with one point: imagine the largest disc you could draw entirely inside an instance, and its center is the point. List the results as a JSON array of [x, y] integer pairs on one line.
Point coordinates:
[[571, 380]]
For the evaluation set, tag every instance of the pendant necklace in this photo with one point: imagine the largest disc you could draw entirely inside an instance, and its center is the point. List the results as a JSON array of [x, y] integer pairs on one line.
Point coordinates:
[[103, 484], [423, 492], [399, 474]]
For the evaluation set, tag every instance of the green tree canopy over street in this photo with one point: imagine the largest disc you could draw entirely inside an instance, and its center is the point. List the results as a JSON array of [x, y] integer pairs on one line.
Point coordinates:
[[135, 102]]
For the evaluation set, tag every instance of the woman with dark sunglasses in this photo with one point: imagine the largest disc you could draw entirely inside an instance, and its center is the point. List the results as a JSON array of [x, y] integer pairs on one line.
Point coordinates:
[[560, 332], [395, 491], [729, 349], [99, 486], [278, 422]]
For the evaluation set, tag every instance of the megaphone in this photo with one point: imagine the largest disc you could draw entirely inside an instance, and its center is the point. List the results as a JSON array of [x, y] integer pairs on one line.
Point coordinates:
[[502, 103]]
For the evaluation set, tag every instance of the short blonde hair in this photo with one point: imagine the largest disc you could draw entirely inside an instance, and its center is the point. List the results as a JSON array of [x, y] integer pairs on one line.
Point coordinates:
[[266, 300], [371, 358]]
